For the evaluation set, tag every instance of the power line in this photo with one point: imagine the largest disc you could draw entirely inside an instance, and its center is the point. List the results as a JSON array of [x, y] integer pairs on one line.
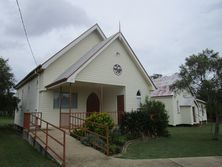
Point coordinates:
[[26, 34]]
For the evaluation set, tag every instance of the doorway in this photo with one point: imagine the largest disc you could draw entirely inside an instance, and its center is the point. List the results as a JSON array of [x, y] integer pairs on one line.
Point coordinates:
[[92, 104], [194, 115], [120, 107]]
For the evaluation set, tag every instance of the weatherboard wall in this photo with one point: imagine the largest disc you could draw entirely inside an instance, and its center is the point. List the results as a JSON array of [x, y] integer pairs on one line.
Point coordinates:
[[106, 94], [100, 70], [168, 102], [66, 60], [28, 100]]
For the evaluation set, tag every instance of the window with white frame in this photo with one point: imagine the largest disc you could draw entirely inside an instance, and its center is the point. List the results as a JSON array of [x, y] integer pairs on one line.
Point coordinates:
[[138, 99], [64, 99]]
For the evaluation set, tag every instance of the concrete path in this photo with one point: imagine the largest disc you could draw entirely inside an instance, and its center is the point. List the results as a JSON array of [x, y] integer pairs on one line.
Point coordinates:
[[78, 155]]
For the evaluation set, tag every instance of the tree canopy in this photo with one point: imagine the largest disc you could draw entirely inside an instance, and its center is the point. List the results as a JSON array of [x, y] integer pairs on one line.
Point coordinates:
[[201, 75], [155, 76], [8, 101]]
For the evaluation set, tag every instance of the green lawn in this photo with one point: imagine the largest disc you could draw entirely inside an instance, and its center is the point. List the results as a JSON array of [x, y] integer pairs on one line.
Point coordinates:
[[4, 121], [16, 152], [184, 142]]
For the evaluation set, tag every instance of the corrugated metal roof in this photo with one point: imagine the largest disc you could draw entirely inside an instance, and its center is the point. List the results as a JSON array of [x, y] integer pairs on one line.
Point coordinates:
[[162, 91], [163, 85], [90, 55], [44, 65], [166, 80], [74, 67]]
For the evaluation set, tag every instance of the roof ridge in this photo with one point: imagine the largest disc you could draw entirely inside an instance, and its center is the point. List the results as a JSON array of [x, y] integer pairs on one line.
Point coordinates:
[[81, 35], [82, 60], [41, 66]]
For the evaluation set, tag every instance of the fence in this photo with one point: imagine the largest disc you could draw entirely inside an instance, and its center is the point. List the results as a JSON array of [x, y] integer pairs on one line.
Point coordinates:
[[84, 115], [98, 140], [44, 133]]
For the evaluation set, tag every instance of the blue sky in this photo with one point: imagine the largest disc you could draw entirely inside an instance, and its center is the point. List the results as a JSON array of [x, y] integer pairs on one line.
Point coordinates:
[[162, 33]]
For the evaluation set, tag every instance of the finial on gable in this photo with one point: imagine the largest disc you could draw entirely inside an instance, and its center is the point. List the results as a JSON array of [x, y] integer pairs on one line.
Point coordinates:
[[119, 27]]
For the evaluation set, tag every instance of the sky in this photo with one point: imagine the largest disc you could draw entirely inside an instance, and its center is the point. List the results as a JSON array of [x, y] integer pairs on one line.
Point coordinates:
[[161, 33]]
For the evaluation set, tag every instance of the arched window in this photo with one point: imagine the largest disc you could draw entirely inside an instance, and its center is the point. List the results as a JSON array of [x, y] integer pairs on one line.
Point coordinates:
[[138, 99], [138, 93]]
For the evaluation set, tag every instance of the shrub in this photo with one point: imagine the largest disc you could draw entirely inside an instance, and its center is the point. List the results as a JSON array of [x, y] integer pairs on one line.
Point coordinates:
[[150, 120], [91, 139], [116, 140], [114, 149], [77, 133], [97, 121], [158, 118]]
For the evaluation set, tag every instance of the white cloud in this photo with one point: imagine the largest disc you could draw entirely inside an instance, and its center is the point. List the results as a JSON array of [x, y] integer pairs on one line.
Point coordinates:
[[43, 16], [162, 33]]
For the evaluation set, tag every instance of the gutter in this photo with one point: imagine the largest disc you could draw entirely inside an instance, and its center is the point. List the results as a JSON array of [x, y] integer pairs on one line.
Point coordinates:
[[34, 73]]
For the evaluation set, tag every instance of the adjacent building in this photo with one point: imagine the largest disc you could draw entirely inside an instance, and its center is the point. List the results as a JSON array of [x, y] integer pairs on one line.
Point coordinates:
[[182, 107]]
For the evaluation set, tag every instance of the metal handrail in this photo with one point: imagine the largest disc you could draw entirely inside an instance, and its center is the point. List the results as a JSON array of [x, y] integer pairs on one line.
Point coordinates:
[[105, 137], [47, 147]]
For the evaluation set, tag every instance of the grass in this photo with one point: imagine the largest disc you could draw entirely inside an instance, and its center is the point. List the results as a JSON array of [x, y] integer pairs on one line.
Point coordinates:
[[16, 152], [4, 121], [184, 142]]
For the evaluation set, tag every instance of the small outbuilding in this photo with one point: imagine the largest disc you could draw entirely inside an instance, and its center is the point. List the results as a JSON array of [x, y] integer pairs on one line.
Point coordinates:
[[182, 107]]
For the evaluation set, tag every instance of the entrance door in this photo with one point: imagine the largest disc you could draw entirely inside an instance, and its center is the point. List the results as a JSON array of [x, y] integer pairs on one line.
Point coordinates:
[[120, 107], [194, 115], [92, 103]]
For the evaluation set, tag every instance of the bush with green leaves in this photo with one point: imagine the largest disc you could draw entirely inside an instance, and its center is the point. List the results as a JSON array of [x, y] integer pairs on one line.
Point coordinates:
[[97, 122], [78, 133], [116, 140], [150, 120], [91, 140]]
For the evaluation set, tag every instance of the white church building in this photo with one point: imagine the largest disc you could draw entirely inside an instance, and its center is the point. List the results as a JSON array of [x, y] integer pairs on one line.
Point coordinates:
[[93, 73]]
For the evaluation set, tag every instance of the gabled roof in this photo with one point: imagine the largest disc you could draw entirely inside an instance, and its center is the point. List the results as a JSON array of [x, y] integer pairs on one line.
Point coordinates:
[[163, 85], [166, 80], [44, 65], [74, 67], [34, 73], [72, 44], [92, 54], [163, 89]]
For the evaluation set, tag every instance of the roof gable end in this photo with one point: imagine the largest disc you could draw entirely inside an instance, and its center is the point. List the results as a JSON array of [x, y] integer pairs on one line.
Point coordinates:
[[44, 65], [73, 43], [94, 54]]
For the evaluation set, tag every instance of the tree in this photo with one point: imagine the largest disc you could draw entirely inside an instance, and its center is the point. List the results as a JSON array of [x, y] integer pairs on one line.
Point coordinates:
[[155, 76], [201, 75], [8, 101]]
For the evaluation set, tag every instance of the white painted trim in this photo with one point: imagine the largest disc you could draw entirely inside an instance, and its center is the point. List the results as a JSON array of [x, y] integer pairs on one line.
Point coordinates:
[[135, 59], [137, 62], [72, 44]]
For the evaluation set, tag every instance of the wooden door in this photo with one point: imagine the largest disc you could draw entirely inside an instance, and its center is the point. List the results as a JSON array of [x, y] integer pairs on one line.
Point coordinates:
[[194, 115], [92, 103], [120, 107]]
